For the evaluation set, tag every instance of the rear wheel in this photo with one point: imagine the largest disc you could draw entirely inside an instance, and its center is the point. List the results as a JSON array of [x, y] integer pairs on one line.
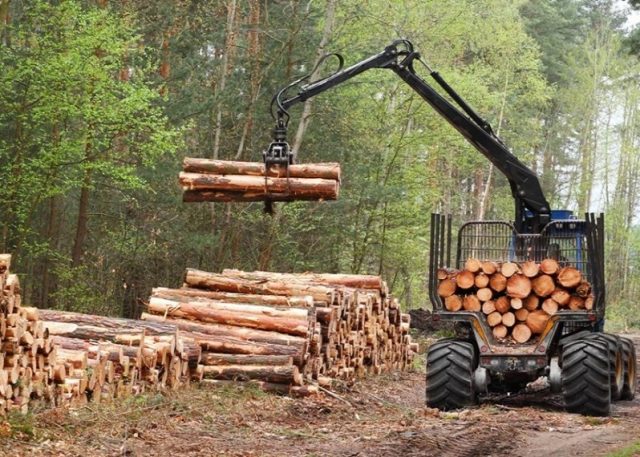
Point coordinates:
[[450, 368], [586, 378], [616, 362], [630, 367]]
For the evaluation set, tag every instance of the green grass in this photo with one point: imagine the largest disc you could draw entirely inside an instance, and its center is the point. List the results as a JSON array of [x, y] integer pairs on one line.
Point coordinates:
[[628, 451]]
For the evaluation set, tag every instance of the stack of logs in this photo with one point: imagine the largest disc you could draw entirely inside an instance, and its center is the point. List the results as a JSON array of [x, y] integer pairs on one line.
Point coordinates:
[[516, 298], [287, 332], [205, 180]]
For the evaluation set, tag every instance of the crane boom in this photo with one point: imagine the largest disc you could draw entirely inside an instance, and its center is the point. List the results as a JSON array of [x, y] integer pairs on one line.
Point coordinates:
[[532, 210]]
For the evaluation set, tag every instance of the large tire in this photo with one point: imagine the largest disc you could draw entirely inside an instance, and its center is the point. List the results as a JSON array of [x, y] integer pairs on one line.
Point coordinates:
[[630, 369], [450, 368], [585, 377], [616, 362]]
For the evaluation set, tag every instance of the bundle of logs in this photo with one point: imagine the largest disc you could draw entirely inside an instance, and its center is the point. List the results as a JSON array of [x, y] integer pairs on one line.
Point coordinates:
[[517, 299], [287, 332], [205, 180]]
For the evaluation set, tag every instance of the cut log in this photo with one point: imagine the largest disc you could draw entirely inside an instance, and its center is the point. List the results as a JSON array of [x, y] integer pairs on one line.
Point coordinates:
[[465, 279], [530, 269], [584, 289], [516, 303], [481, 280], [498, 282], [227, 167], [508, 269], [588, 302], [518, 286], [550, 306], [230, 297], [531, 303], [503, 304], [212, 358], [488, 307], [447, 287], [217, 282], [489, 268], [521, 314], [561, 296], [537, 321], [453, 303], [317, 188], [494, 319], [549, 266], [508, 319], [471, 303], [484, 294], [269, 373], [521, 333], [442, 273], [473, 265], [576, 303], [569, 277], [543, 285], [500, 331], [372, 282]]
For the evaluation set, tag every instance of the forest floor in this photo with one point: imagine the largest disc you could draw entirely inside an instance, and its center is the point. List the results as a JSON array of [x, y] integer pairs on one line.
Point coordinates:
[[383, 416]]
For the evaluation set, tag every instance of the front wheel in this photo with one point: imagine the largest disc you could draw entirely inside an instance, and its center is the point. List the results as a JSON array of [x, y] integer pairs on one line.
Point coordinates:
[[450, 368]]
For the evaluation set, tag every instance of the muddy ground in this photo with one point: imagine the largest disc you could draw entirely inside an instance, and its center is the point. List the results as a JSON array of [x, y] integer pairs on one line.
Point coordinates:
[[384, 416]]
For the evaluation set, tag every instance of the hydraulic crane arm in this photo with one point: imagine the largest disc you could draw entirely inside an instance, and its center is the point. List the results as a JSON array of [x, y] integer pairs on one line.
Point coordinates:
[[399, 57]]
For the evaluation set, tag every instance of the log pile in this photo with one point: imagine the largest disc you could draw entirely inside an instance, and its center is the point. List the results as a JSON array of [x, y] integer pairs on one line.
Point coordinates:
[[516, 299], [287, 332], [126, 356], [205, 180]]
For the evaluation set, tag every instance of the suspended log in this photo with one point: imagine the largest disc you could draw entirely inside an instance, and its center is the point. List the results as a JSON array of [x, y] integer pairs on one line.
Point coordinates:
[[318, 188], [227, 167]]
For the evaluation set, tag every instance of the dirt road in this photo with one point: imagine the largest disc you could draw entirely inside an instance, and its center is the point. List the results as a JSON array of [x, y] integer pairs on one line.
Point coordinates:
[[380, 417]]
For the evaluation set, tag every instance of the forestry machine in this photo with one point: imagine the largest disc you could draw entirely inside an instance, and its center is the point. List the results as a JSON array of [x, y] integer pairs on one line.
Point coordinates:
[[591, 368]]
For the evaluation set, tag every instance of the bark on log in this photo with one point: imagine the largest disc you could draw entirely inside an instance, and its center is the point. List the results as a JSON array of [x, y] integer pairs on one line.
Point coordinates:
[[330, 170], [202, 313], [201, 196], [212, 358], [229, 297], [276, 374], [217, 282], [326, 189]]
